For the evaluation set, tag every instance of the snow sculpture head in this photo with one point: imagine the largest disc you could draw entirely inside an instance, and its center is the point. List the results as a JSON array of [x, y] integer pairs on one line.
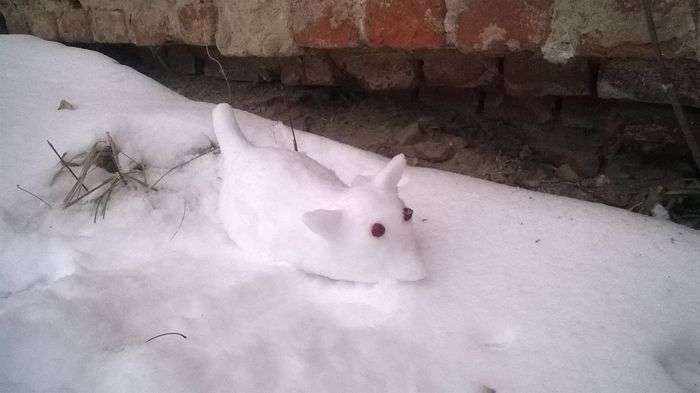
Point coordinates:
[[369, 232], [286, 205]]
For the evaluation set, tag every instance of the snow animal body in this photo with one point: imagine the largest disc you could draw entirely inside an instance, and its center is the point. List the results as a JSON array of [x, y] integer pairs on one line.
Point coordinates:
[[290, 208]]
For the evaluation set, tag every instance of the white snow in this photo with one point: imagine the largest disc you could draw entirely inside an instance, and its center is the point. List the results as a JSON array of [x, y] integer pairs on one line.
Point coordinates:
[[525, 292]]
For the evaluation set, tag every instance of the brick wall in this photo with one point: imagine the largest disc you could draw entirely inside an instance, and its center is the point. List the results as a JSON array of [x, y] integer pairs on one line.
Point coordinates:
[[510, 51]]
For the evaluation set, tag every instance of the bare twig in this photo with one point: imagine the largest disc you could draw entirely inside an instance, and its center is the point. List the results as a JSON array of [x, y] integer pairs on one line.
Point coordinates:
[[668, 86], [85, 169], [103, 199], [34, 195], [223, 73], [65, 165], [166, 334], [294, 135], [73, 202], [182, 219], [114, 151], [211, 149]]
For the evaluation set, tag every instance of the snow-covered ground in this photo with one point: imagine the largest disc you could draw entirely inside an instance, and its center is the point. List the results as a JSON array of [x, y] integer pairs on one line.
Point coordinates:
[[525, 292]]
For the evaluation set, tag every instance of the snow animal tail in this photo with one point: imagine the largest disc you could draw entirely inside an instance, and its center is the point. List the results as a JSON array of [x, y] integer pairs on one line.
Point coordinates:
[[227, 131]]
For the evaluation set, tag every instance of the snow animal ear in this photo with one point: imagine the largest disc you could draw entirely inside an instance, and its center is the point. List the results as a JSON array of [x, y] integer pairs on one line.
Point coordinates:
[[360, 180], [323, 222], [391, 174]]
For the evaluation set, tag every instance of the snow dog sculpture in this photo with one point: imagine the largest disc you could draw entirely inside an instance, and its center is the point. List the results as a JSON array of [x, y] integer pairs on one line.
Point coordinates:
[[286, 206]]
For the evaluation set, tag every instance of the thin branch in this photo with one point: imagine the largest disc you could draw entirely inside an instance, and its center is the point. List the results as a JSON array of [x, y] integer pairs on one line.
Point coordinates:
[[211, 149], [86, 166], [182, 219], [166, 334], [34, 195], [668, 86], [73, 202], [60, 158], [221, 70], [294, 136], [114, 150]]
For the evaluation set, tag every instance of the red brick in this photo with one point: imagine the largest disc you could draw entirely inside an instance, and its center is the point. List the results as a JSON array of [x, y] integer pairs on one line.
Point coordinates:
[[503, 25], [405, 24], [528, 75], [455, 69], [197, 23], [378, 71], [324, 24]]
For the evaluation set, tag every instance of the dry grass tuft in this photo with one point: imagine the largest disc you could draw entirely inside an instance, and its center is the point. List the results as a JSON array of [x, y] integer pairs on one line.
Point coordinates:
[[105, 154]]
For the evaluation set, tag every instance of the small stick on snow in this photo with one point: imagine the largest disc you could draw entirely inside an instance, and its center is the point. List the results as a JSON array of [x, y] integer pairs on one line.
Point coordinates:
[[34, 195], [166, 334], [182, 219], [294, 136], [74, 201], [60, 158], [211, 149]]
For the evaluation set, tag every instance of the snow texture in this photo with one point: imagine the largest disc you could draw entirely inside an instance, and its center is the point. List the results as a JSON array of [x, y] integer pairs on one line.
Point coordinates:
[[524, 292]]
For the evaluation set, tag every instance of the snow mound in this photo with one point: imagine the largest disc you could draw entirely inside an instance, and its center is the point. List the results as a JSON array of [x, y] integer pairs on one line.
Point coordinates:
[[524, 292]]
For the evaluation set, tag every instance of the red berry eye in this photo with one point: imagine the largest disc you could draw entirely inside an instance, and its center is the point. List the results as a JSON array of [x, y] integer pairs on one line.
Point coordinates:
[[378, 230], [407, 213]]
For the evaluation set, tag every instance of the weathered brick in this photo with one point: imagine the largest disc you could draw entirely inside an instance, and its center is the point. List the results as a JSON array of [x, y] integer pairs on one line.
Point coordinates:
[[44, 25], [640, 80], [74, 26], [616, 28], [519, 109], [318, 70], [378, 71], [525, 74], [109, 26], [16, 19], [647, 128], [197, 22], [292, 73], [502, 25], [405, 24], [452, 68], [245, 69], [325, 23], [254, 28], [149, 26]]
